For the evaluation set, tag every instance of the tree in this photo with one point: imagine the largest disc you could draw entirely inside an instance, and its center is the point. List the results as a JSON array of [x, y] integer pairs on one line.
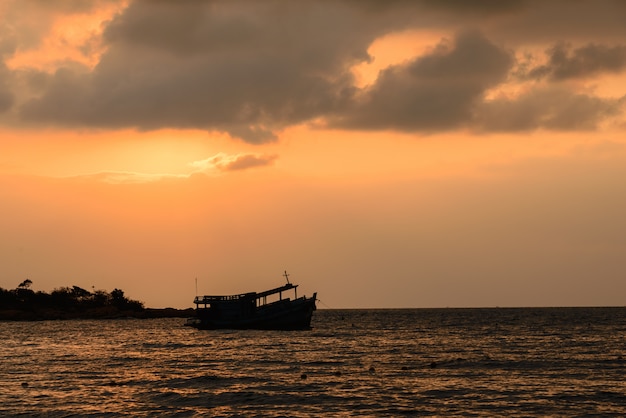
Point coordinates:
[[117, 296], [25, 284], [80, 293], [122, 302]]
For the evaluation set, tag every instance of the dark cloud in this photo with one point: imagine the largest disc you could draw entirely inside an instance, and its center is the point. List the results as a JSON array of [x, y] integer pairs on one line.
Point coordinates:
[[68, 6], [252, 68], [487, 7], [244, 67], [565, 63], [434, 92], [515, 22], [547, 108], [24, 23], [7, 98], [440, 7], [8, 44], [446, 90], [545, 22]]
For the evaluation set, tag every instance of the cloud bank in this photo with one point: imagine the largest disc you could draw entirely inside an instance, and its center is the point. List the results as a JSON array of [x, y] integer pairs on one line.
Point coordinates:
[[253, 68], [585, 61]]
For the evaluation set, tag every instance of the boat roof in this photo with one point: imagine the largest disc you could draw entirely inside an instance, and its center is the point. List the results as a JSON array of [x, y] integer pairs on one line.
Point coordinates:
[[250, 295], [276, 290]]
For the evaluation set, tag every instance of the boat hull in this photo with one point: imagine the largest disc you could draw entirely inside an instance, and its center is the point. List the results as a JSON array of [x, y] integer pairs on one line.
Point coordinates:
[[283, 315]]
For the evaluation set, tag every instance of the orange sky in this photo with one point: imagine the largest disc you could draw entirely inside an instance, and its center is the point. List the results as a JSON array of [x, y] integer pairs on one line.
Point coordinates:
[[410, 155]]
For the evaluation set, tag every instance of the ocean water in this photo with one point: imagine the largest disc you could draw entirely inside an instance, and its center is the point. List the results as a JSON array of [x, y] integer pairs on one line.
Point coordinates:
[[418, 362]]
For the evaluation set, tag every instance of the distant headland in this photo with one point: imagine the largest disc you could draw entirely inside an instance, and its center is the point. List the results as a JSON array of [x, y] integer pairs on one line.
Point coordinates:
[[24, 304]]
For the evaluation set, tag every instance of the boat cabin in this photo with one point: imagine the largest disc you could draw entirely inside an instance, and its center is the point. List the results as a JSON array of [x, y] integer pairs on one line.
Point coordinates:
[[242, 305]]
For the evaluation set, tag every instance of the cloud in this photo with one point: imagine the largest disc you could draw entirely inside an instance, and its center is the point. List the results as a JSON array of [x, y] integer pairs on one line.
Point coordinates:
[[446, 89], [247, 68], [25, 24], [554, 108], [481, 7], [565, 63], [219, 163], [222, 162], [7, 98], [252, 69], [436, 91], [538, 22]]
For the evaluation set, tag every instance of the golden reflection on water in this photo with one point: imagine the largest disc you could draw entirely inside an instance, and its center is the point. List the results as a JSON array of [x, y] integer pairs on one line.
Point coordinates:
[[353, 363]]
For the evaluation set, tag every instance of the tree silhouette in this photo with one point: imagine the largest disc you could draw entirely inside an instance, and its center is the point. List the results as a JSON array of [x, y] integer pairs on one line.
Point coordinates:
[[25, 284], [64, 302]]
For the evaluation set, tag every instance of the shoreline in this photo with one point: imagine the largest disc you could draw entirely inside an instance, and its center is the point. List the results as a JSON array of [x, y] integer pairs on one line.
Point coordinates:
[[16, 315]]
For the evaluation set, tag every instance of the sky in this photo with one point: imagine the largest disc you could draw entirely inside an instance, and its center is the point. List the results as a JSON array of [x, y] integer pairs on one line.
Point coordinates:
[[397, 154]]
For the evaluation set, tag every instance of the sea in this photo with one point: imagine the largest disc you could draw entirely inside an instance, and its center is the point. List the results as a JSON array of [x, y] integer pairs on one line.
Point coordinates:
[[522, 362]]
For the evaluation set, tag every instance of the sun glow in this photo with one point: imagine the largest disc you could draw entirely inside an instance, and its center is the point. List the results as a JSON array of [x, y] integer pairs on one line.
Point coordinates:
[[164, 152], [394, 49], [73, 37]]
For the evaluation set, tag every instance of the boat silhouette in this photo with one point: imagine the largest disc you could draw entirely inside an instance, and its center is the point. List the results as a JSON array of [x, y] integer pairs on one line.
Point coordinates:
[[253, 311]]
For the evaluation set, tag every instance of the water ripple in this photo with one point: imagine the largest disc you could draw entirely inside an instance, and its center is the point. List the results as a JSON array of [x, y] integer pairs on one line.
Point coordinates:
[[445, 362]]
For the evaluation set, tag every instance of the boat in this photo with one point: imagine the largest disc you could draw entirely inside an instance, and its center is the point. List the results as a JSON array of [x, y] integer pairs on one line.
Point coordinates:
[[268, 310]]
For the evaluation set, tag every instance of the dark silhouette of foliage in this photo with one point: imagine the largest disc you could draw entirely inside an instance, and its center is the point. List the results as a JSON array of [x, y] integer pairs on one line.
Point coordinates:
[[25, 284], [64, 302]]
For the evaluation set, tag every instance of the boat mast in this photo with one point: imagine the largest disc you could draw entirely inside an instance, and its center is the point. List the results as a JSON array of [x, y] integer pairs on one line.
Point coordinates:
[[295, 289]]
